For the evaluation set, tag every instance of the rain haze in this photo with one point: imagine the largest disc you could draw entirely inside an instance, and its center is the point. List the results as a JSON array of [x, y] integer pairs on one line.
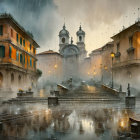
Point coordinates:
[[69, 69], [99, 18]]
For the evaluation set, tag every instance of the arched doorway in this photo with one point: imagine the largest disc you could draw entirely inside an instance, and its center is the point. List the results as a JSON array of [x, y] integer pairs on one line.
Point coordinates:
[[12, 78], [1, 79], [19, 80]]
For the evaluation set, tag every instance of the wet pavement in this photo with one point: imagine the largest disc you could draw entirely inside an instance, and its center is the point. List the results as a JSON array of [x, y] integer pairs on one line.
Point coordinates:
[[102, 117], [65, 122]]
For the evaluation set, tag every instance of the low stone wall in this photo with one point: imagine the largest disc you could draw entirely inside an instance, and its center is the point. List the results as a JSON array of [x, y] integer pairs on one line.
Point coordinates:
[[114, 91]]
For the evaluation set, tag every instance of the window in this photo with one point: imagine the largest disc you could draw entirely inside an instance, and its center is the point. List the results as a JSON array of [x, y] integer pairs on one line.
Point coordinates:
[[80, 38], [63, 40], [17, 37], [30, 61], [1, 29], [24, 42], [19, 79], [20, 58], [2, 51], [34, 50], [131, 41], [12, 78], [24, 59], [1, 79], [118, 47], [30, 46], [17, 56], [10, 52], [34, 64], [11, 32], [20, 41]]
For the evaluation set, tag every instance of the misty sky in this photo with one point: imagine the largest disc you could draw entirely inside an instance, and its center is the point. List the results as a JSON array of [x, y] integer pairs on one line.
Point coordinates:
[[100, 19]]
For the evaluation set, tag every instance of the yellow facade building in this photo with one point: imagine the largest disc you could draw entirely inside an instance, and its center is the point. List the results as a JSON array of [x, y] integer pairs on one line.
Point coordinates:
[[126, 65], [17, 55]]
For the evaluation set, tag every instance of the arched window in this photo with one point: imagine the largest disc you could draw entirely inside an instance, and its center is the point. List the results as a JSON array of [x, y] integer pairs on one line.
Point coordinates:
[[1, 79], [2, 51], [10, 52], [12, 77], [80, 38], [63, 40]]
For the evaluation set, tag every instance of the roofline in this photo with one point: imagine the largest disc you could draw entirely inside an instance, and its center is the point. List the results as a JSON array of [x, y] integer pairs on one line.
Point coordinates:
[[125, 29], [43, 53], [10, 17], [99, 50]]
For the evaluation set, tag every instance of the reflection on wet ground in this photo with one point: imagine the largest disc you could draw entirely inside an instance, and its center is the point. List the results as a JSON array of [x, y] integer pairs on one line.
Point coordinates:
[[64, 122]]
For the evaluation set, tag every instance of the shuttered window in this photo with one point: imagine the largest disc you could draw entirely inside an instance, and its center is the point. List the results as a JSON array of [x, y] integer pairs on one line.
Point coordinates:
[[2, 51], [20, 41], [20, 58], [1, 29], [10, 52], [24, 59], [17, 56], [24, 42], [17, 37], [30, 61]]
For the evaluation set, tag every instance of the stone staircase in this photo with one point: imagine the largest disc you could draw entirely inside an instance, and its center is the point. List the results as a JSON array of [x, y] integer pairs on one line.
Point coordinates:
[[97, 95]]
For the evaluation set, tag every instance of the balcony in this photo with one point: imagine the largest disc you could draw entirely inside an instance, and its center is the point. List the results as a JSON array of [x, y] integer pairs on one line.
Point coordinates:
[[130, 50], [117, 55], [133, 62]]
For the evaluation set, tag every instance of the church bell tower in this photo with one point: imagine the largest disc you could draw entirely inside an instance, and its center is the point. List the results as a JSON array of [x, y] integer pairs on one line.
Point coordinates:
[[81, 43], [63, 38]]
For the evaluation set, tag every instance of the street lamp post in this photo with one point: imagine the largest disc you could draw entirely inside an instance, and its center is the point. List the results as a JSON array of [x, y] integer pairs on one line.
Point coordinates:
[[112, 56]]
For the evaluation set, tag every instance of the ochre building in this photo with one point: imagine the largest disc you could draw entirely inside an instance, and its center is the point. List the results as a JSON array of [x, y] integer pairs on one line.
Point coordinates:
[[126, 65], [17, 55]]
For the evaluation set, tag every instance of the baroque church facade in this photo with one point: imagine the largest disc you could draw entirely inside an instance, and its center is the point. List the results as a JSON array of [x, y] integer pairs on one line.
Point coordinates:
[[67, 63], [72, 54]]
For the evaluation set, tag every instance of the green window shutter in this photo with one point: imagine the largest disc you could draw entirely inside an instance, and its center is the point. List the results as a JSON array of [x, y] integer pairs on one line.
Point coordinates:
[[2, 51], [30, 61], [17, 56], [24, 42], [20, 41], [10, 52], [17, 37], [20, 58], [1, 29]]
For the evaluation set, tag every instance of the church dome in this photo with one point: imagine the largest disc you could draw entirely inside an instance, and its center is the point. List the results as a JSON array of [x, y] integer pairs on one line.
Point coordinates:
[[80, 31], [64, 32]]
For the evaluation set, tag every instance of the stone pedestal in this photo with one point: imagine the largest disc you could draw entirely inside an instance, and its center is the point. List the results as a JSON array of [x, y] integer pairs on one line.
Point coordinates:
[[130, 101], [52, 100]]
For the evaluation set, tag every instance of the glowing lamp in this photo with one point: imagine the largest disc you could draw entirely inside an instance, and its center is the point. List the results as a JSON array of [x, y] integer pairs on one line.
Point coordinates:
[[55, 66], [112, 55]]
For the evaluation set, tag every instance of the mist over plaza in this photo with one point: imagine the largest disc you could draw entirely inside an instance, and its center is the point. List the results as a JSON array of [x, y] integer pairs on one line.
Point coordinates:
[[69, 69]]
